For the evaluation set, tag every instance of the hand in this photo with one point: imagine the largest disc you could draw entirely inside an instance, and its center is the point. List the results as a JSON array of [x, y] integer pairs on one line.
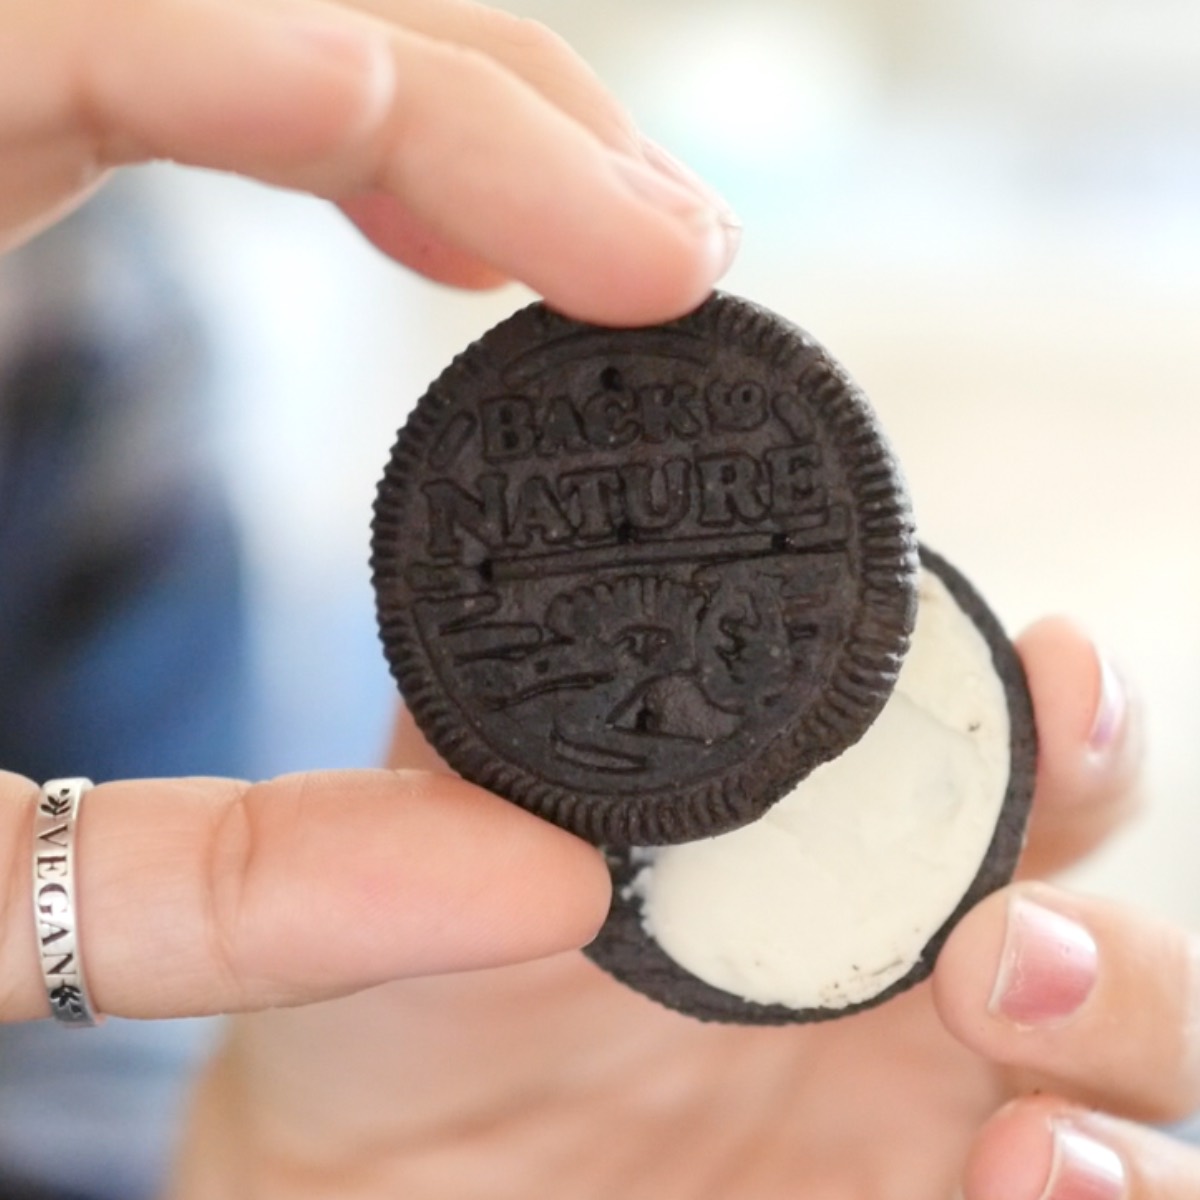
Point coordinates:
[[549, 1079], [200, 896], [473, 146]]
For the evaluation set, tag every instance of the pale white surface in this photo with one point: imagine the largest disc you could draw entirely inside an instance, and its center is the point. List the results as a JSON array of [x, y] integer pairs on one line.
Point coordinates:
[[831, 896]]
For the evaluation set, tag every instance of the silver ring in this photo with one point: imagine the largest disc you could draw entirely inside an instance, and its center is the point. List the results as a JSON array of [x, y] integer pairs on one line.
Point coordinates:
[[54, 884]]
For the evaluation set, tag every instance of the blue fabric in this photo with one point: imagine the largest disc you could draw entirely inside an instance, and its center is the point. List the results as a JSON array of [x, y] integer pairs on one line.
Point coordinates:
[[122, 628]]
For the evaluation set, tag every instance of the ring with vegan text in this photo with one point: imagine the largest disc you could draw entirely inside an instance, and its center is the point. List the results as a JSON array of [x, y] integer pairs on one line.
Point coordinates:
[[54, 880]]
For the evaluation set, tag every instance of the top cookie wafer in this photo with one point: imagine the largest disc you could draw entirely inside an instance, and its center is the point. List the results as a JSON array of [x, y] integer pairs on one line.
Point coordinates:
[[642, 581]]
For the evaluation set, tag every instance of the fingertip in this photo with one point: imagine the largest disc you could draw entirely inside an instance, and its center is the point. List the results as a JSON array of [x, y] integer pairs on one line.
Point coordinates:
[[1042, 1147], [555, 866], [1082, 692], [1012, 1155], [966, 968], [1090, 743], [1074, 689], [581, 873], [604, 235], [676, 241], [458, 879], [1016, 973], [657, 274]]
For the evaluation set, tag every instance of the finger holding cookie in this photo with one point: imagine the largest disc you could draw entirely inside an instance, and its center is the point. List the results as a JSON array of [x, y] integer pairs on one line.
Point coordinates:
[[468, 144], [882, 1104], [1040, 981], [1090, 1008], [205, 895], [1045, 1148], [1091, 729]]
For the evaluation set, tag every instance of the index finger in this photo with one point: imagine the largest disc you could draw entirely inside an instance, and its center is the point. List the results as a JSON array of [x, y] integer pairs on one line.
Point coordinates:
[[201, 895], [340, 103], [528, 49]]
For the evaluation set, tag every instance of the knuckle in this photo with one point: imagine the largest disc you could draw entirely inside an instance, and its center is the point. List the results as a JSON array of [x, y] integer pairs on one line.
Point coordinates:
[[229, 866], [526, 42], [464, 69], [548, 63], [100, 44]]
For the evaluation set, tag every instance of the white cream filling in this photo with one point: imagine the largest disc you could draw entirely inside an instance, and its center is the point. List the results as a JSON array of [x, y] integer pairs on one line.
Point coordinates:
[[830, 897]]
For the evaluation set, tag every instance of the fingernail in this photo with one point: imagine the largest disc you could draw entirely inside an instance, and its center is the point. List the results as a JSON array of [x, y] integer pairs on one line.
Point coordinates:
[[1111, 704], [673, 194], [1047, 967], [1083, 1169]]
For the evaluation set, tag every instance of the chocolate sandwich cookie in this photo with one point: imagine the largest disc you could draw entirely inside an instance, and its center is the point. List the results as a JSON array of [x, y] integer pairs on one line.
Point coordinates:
[[842, 894], [643, 581]]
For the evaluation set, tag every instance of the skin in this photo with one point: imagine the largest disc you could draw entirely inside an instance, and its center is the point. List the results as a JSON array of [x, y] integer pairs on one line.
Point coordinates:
[[399, 944], [476, 1085], [469, 145]]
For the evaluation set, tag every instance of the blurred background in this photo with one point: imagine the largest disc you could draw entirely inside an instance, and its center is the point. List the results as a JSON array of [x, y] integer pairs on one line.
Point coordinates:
[[990, 213]]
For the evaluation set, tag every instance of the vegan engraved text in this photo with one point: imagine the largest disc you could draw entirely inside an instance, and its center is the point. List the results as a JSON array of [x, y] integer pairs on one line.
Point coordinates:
[[54, 906]]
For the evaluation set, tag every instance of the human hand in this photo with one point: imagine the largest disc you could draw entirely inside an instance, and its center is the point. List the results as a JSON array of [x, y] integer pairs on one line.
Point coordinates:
[[201, 896], [549, 1079], [466, 143]]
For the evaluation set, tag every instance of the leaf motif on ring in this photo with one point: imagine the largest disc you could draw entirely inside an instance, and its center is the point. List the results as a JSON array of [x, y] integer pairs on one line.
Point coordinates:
[[67, 997], [56, 806]]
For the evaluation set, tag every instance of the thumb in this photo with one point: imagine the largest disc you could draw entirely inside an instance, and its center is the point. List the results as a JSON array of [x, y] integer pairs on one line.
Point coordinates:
[[205, 895]]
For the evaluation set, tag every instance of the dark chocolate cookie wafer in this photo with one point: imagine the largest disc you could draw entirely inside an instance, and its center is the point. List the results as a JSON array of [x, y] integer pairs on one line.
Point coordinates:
[[884, 891], [641, 581]]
